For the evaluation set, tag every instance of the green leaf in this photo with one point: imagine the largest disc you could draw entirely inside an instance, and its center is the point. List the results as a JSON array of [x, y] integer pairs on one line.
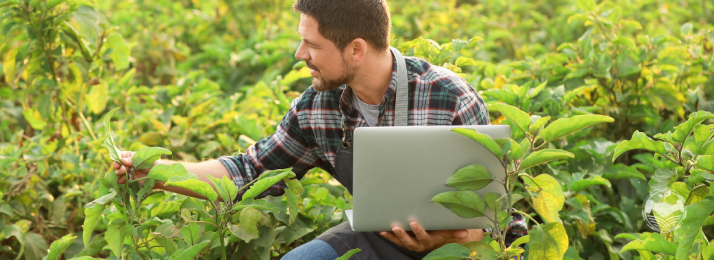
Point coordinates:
[[662, 179], [708, 252], [472, 177], [260, 204], [88, 20], [639, 141], [115, 238], [544, 156], [587, 5], [120, 55], [451, 251], [249, 219], [35, 247], [651, 242], [145, 157], [189, 253], [349, 254], [493, 202], [584, 184], [566, 126], [104, 199], [549, 241], [510, 147], [97, 98], [515, 197], [550, 199], [293, 199], [521, 240], [202, 188], [191, 232], [168, 244], [520, 118], [482, 139], [108, 139], [59, 246], [90, 220], [34, 118], [705, 162], [225, 187], [241, 233], [481, 250], [465, 204], [701, 135], [165, 172], [537, 124], [694, 216], [264, 183], [682, 131]]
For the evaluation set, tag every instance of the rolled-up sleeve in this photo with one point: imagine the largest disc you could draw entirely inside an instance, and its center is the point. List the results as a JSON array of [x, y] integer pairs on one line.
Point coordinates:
[[285, 148]]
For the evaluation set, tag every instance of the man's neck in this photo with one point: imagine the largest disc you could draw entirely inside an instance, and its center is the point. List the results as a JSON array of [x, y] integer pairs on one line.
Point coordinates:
[[373, 79]]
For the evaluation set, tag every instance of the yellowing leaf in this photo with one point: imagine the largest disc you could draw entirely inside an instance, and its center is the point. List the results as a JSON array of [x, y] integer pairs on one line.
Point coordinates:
[[8, 65], [97, 98], [549, 241], [550, 198]]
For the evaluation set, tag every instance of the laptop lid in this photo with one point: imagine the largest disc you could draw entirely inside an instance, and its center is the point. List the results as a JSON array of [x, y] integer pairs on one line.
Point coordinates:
[[397, 170]]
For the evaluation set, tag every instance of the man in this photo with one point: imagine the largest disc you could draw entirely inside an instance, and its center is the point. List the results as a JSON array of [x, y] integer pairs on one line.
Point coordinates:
[[346, 46]]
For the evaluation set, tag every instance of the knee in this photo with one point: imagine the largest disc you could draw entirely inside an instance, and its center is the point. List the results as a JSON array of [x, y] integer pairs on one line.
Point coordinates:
[[315, 249]]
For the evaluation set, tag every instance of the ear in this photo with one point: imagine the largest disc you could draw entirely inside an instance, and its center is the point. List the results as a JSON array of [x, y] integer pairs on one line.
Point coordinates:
[[357, 50]]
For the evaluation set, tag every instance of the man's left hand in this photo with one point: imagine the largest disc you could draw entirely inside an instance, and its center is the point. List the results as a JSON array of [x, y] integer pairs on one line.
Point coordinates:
[[423, 240]]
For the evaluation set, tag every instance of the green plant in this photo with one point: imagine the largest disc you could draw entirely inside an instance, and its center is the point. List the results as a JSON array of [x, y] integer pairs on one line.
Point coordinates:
[[547, 240], [686, 185]]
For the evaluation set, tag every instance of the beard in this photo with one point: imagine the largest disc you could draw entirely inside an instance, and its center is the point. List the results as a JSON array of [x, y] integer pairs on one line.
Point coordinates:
[[324, 84]]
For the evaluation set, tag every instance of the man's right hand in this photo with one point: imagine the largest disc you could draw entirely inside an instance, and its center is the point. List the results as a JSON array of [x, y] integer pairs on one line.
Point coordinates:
[[121, 170]]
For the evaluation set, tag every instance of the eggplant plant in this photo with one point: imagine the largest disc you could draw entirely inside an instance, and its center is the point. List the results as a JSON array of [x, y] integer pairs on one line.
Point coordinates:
[[681, 199], [547, 240]]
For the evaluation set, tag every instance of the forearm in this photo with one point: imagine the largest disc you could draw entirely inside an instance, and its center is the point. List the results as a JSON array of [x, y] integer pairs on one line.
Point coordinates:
[[202, 170]]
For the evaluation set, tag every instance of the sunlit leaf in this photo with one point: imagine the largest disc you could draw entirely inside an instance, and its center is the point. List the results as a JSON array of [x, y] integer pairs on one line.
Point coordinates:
[[349, 254], [682, 131], [705, 162], [145, 157], [544, 156], [549, 241], [639, 141], [59, 246], [520, 118], [592, 181], [566, 126], [164, 172], [483, 139], [249, 219], [651, 242], [264, 183], [200, 187], [550, 198]]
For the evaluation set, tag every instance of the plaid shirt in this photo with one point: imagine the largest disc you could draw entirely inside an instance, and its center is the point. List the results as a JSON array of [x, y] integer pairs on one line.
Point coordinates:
[[310, 133]]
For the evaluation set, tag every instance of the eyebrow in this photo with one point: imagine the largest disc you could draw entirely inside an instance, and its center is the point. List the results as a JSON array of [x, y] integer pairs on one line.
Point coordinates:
[[310, 43]]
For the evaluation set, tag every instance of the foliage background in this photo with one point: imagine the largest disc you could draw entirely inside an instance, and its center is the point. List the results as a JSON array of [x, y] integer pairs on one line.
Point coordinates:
[[208, 78]]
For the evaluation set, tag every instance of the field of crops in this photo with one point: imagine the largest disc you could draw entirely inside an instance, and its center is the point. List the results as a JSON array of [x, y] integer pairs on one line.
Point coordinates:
[[610, 105]]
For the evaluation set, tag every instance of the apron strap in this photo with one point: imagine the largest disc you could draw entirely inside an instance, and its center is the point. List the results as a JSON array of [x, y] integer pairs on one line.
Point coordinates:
[[401, 112]]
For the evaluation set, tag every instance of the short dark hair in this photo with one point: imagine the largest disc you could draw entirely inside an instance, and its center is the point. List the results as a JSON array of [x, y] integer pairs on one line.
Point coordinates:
[[342, 21]]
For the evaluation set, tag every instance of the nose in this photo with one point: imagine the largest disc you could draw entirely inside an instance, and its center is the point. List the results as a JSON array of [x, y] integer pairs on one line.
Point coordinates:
[[301, 53]]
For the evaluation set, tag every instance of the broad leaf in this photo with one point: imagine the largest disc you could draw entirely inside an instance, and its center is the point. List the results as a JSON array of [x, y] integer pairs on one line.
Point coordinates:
[[662, 179], [189, 253], [682, 131], [566, 126], [549, 241], [493, 202], [472, 177], [702, 134], [120, 55], [349, 254], [260, 204], [451, 251], [544, 156], [264, 183], [521, 240], [481, 250], [705, 162], [225, 187], [108, 139], [694, 216], [59, 246], [202, 188], [191, 232], [550, 198], [465, 204], [145, 157], [652, 242], [293, 199], [242, 233], [517, 116], [90, 220], [584, 184], [639, 141], [249, 219], [115, 238], [483, 139], [164, 172]]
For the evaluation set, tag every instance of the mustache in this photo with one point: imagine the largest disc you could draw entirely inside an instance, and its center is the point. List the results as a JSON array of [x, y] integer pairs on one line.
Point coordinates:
[[311, 66]]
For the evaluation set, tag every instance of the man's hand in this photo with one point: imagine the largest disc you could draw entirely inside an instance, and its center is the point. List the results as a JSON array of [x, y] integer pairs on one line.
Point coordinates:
[[427, 241], [121, 170]]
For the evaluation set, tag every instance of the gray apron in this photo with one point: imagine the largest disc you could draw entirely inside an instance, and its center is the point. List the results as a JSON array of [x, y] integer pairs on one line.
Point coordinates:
[[341, 237]]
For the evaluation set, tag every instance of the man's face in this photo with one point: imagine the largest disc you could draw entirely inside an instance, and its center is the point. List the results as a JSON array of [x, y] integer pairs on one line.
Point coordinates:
[[328, 67]]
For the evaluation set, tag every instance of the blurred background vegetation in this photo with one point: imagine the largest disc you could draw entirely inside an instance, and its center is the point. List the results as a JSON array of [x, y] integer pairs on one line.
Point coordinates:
[[209, 78]]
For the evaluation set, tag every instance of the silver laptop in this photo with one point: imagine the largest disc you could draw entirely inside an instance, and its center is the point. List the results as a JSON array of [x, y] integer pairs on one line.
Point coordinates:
[[397, 170]]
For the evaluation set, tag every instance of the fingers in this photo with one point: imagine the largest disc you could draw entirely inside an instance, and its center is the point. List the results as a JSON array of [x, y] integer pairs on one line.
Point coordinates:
[[421, 234], [408, 241], [463, 233], [122, 179]]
